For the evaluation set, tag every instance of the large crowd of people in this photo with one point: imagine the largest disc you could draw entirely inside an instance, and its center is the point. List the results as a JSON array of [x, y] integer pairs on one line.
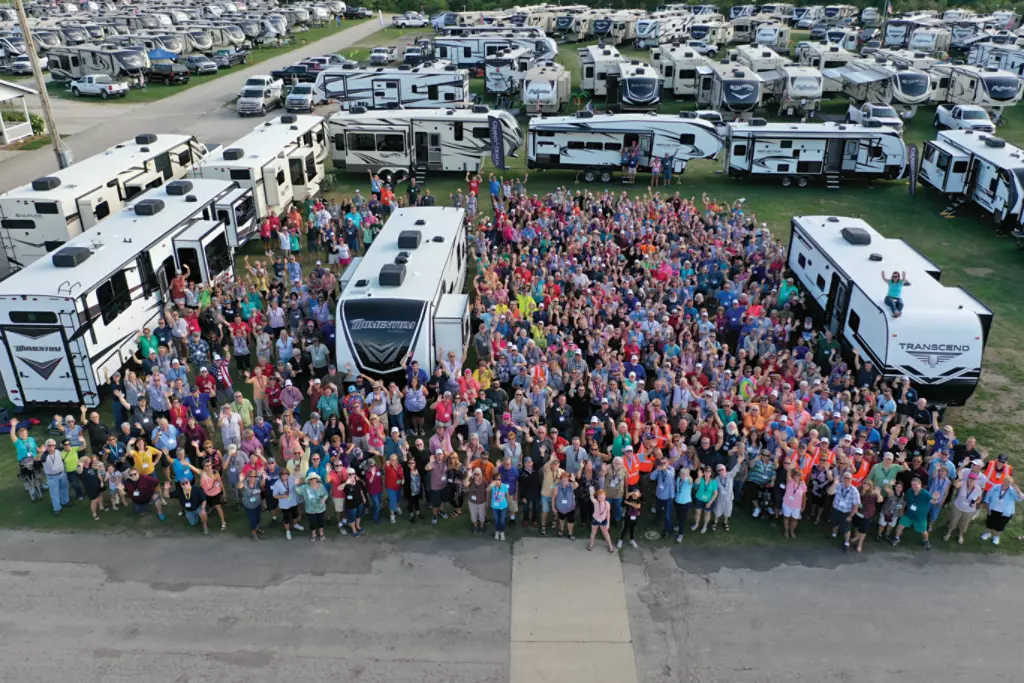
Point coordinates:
[[634, 357]]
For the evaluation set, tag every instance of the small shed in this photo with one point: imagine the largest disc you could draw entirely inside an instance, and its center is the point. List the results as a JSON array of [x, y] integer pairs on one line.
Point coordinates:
[[12, 98]]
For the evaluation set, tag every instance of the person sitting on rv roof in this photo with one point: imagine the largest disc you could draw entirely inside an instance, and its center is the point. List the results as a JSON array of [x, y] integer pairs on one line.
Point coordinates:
[[893, 299]]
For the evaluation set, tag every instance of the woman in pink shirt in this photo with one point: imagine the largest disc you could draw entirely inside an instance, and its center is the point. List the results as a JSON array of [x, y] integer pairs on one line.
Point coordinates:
[[793, 501], [600, 518]]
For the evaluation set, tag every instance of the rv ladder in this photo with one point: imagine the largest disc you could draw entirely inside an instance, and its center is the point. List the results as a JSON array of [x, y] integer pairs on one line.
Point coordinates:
[[832, 181], [421, 174], [8, 246]]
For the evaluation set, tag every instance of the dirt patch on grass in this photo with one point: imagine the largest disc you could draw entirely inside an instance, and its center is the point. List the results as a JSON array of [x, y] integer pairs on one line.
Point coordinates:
[[978, 272]]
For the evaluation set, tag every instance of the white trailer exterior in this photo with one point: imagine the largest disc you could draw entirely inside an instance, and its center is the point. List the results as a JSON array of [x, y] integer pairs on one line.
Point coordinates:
[[426, 86], [504, 71], [281, 161], [473, 50], [880, 81], [636, 86], [398, 142], [593, 143], [39, 217], [546, 88], [70, 320], [731, 88], [406, 296], [775, 36], [987, 87], [597, 62], [682, 69], [713, 32], [72, 63], [824, 57]]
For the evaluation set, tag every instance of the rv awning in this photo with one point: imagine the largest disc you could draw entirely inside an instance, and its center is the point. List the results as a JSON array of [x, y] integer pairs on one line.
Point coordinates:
[[948, 149], [835, 74], [860, 77], [705, 70], [773, 75]]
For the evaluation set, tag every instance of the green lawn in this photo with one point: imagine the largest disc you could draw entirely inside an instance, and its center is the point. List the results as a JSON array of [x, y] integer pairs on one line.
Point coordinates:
[[158, 91], [35, 142]]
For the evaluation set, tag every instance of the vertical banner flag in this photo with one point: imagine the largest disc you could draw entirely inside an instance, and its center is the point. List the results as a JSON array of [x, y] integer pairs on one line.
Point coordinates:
[[497, 148], [912, 170], [380, 15]]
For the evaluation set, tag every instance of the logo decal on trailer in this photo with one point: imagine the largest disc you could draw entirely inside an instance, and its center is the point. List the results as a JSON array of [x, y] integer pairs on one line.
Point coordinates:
[[934, 354], [44, 369]]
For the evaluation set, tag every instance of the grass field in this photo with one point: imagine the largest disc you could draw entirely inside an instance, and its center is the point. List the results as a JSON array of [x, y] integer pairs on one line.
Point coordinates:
[[159, 91], [966, 248]]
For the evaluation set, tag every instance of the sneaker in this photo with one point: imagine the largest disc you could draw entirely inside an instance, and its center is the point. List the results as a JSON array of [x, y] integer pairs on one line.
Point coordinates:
[[703, 529], [161, 517], [496, 535], [434, 520], [995, 540], [987, 535], [679, 538], [846, 547], [694, 527], [444, 515], [343, 531], [618, 544], [895, 541], [757, 513], [392, 519], [398, 511], [502, 536], [926, 545], [206, 532], [298, 527], [633, 543], [288, 534]]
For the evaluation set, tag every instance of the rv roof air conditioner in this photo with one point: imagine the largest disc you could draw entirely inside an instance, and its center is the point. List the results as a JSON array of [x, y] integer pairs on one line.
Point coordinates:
[[902, 67], [358, 109], [997, 143], [584, 114], [233, 154], [409, 239], [878, 257], [145, 139], [991, 69], [480, 109], [45, 184], [69, 257], [635, 62], [879, 60], [392, 275], [289, 118], [177, 188], [451, 68], [758, 122], [919, 55], [872, 123], [348, 66], [149, 207], [439, 239], [404, 67], [857, 236]]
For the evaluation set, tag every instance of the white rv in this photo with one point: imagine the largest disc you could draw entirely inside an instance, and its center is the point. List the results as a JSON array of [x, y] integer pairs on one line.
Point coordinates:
[[897, 31], [424, 86], [780, 10], [468, 51], [635, 86], [774, 35], [731, 88], [658, 29], [848, 39], [396, 143], [737, 11], [807, 16], [597, 62], [799, 153], [930, 39], [938, 341], [682, 69], [405, 297], [71, 319], [593, 143], [504, 71], [987, 87], [744, 29], [72, 63], [964, 33], [826, 57], [1006, 58], [880, 81], [799, 90], [714, 31], [546, 88], [870, 16], [281, 161], [836, 13], [618, 27], [39, 217], [976, 167]]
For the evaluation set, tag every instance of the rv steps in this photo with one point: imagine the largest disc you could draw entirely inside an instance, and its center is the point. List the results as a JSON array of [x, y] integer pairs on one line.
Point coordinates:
[[420, 173], [950, 211], [831, 181]]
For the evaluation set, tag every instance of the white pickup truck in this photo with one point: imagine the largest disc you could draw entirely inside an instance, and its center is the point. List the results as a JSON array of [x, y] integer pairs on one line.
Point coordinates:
[[963, 117], [259, 95], [101, 86], [274, 84], [409, 19], [882, 113]]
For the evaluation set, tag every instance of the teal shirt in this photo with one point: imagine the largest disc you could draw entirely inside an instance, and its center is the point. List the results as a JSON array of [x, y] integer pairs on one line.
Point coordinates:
[[26, 448], [315, 499], [917, 505], [895, 289], [706, 489]]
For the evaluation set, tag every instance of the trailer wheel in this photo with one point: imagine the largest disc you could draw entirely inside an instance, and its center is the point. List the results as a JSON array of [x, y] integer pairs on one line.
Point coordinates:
[[606, 176], [590, 175], [787, 181], [802, 181]]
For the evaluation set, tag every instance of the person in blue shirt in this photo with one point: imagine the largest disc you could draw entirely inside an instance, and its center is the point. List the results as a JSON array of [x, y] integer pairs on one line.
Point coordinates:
[[1001, 502], [664, 478], [894, 296]]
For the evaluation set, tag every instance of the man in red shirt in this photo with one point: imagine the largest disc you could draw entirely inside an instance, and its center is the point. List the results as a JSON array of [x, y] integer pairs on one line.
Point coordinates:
[[474, 183], [206, 382], [178, 285], [359, 429]]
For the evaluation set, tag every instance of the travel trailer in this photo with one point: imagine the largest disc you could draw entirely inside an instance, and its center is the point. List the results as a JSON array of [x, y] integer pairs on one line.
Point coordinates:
[[635, 86], [72, 319], [848, 39], [930, 39], [780, 10], [1006, 58], [658, 30], [938, 341], [987, 87], [807, 16], [37, 218], [616, 28], [714, 31], [596, 63], [799, 91], [492, 30], [731, 88], [744, 29], [823, 57], [404, 299], [962, 34], [737, 11], [970, 166], [504, 71], [571, 27], [546, 88], [424, 86], [775, 36], [682, 69], [800, 153], [880, 81], [281, 161], [399, 143], [593, 143], [468, 51], [897, 31], [72, 63], [833, 14]]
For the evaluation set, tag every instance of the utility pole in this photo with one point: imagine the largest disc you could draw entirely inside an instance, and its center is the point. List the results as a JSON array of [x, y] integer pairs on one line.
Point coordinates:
[[63, 154]]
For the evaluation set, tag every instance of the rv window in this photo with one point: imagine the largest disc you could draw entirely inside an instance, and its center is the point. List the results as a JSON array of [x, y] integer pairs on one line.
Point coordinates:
[[594, 145], [854, 322], [588, 72], [943, 82], [240, 174], [686, 74], [296, 171], [602, 76], [687, 138], [114, 297], [993, 185], [146, 274], [458, 130], [218, 255], [490, 50], [319, 137], [280, 177], [929, 153], [307, 139], [390, 142], [943, 162], [613, 146], [432, 92], [959, 167], [47, 208], [185, 158], [545, 134], [467, 52], [311, 172], [32, 317], [130, 191], [786, 144], [74, 61], [482, 133], [17, 224], [339, 141], [669, 70], [739, 150], [820, 282], [187, 256], [163, 165], [362, 142], [575, 144], [102, 210], [442, 52], [876, 152], [801, 260], [850, 149]]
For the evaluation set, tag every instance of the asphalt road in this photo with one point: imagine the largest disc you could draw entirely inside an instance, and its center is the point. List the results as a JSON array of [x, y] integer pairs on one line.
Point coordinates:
[[199, 111], [115, 609]]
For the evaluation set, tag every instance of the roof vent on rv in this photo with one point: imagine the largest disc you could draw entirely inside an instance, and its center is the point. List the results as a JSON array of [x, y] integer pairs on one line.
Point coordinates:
[[451, 67], [439, 239], [191, 198], [233, 154], [584, 114], [392, 275], [45, 183], [997, 143], [449, 112], [69, 257], [876, 257], [857, 236], [834, 48], [635, 62], [958, 62], [879, 60], [149, 207], [607, 52], [145, 139], [289, 118], [991, 68], [832, 219], [872, 123], [409, 239], [758, 122], [919, 55], [143, 149], [176, 188], [357, 110], [902, 67], [480, 109], [405, 67], [402, 258], [348, 66]]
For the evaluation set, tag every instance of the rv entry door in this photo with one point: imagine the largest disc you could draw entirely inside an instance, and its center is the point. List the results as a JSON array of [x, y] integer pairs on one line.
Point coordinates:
[[385, 92], [835, 307], [834, 156], [434, 150]]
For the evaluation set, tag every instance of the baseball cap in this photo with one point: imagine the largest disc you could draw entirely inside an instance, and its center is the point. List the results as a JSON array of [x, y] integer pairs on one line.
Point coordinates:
[[287, 382], [1002, 457], [203, 369], [977, 463]]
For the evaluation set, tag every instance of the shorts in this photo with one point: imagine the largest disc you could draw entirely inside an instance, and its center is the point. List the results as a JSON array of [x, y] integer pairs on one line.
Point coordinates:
[[545, 503], [701, 505], [838, 518], [861, 523], [339, 504], [353, 515], [884, 521], [997, 521], [918, 525], [289, 515], [434, 497], [594, 522], [792, 513], [215, 500], [569, 516], [192, 516]]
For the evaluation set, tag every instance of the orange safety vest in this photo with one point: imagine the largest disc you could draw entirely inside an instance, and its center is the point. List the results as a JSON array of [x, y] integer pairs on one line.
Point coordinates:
[[661, 436], [861, 473], [632, 463], [992, 478], [807, 462]]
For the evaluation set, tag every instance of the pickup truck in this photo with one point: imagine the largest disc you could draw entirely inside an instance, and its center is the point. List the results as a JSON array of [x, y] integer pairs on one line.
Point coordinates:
[[256, 100], [410, 19], [300, 72], [103, 86], [227, 57], [882, 113], [357, 13], [300, 98], [702, 48], [381, 56], [963, 117], [263, 82], [414, 54]]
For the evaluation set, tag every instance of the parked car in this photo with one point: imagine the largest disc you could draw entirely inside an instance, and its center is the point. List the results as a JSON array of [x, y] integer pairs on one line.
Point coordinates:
[[200, 64], [381, 56], [263, 82], [168, 74], [102, 86], [300, 72], [338, 60], [410, 19], [883, 114], [357, 13], [300, 99], [702, 48], [414, 54], [818, 31], [22, 65], [963, 117], [228, 57]]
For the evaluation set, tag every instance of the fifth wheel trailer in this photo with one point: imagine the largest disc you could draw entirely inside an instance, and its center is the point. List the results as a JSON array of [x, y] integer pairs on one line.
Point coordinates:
[[938, 341]]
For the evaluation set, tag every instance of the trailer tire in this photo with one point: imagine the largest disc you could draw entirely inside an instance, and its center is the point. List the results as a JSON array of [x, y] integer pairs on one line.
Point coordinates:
[[802, 181], [606, 176], [787, 181], [590, 175]]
